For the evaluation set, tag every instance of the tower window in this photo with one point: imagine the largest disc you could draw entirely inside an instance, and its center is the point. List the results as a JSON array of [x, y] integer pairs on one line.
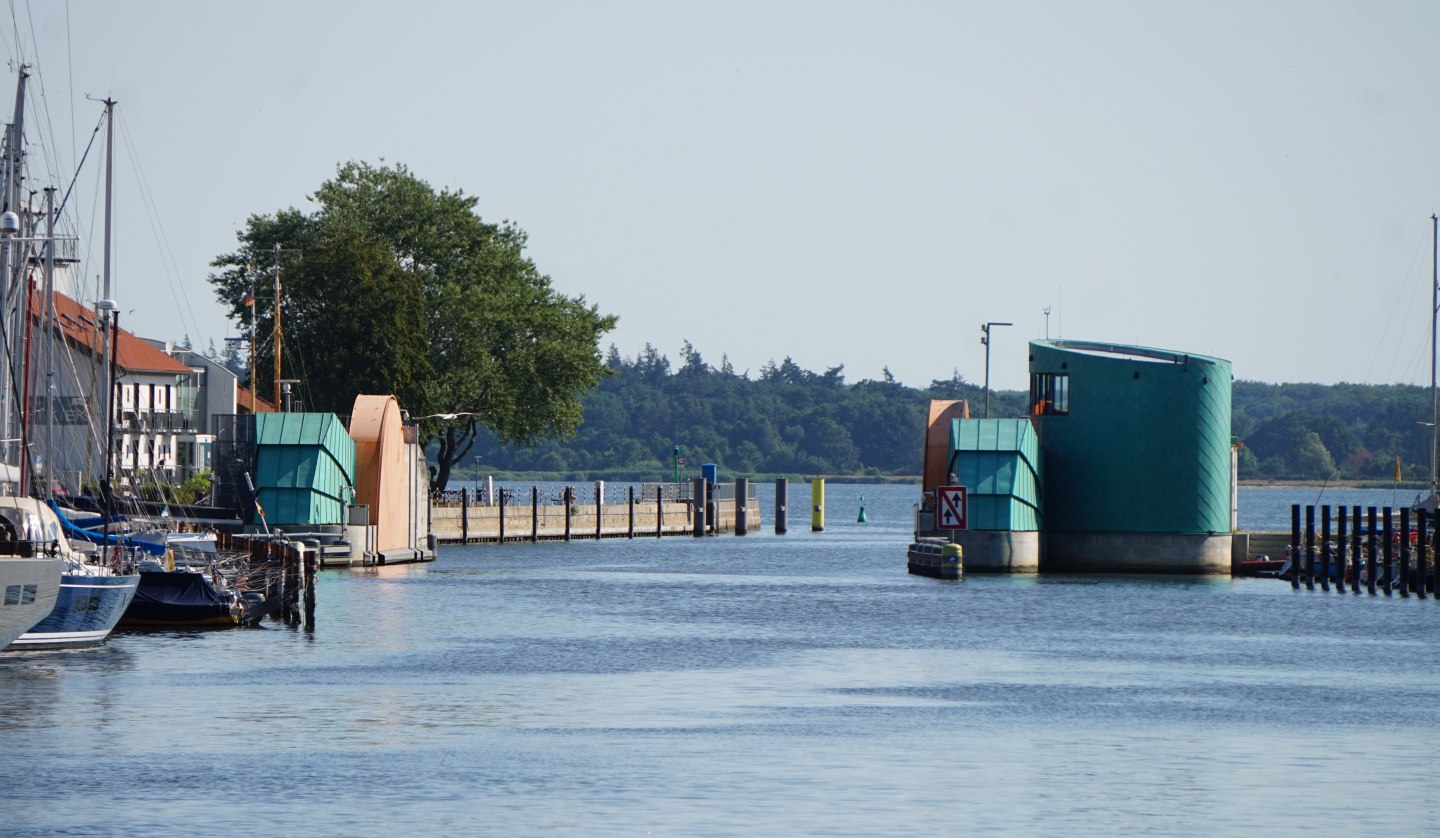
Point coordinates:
[[1049, 394]]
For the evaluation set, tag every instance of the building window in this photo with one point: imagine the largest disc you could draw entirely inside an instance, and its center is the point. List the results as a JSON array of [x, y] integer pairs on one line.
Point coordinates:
[[1049, 394]]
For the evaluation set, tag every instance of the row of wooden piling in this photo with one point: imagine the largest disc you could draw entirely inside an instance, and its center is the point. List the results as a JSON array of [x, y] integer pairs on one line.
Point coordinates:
[[1385, 568], [288, 571], [701, 510]]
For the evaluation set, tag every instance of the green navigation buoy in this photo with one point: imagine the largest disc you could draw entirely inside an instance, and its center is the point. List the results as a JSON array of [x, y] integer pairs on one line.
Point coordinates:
[[862, 519]]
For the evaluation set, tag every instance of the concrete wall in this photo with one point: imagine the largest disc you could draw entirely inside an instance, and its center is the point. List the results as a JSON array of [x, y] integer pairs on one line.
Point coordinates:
[[997, 551], [1137, 552]]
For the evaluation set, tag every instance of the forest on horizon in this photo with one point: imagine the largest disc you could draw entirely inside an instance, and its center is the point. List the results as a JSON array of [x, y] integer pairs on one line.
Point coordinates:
[[791, 421]]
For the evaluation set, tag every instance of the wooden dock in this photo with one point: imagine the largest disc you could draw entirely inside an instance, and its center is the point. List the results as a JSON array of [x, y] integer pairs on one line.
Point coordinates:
[[468, 517]]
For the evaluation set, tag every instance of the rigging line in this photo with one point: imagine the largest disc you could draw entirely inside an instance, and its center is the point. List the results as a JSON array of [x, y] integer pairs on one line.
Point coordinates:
[[162, 241], [1400, 302], [15, 27], [41, 125], [71, 188]]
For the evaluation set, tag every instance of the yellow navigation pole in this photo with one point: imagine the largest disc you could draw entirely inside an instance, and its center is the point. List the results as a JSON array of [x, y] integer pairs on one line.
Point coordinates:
[[817, 504]]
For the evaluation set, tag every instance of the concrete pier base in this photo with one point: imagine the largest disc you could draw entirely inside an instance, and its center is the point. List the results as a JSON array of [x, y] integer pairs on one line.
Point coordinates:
[[1000, 551], [1131, 552]]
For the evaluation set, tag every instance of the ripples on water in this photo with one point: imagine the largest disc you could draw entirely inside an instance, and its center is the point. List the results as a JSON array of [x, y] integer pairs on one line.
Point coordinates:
[[802, 684]]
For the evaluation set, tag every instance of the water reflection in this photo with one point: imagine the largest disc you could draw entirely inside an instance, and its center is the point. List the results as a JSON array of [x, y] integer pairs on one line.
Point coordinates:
[[796, 684]]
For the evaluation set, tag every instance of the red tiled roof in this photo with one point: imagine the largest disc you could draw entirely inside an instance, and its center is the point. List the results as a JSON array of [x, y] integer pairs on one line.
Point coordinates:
[[242, 401], [81, 328]]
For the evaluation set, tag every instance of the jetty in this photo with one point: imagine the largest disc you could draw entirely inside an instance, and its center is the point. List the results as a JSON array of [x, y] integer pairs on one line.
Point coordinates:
[[507, 514]]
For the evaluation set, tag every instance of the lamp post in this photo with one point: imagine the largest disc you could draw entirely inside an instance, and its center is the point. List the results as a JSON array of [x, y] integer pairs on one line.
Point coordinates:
[[985, 339]]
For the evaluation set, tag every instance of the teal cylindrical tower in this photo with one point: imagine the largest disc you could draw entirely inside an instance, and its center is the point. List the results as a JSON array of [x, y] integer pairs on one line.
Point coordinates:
[[1136, 448]]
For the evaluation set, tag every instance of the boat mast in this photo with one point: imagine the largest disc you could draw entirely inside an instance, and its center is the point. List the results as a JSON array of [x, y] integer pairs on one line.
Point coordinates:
[[13, 167], [1434, 320], [279, 333]]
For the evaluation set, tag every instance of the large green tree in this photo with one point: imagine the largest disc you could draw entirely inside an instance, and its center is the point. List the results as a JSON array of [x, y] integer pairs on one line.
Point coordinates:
[[389, 286]]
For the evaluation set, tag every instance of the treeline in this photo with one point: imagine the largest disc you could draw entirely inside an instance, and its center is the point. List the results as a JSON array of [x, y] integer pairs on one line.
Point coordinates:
[[1340, 431], [780, 420], [785, 420]]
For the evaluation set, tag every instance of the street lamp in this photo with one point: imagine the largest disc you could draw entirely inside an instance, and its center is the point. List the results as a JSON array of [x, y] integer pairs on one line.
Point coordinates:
[[986, 340]]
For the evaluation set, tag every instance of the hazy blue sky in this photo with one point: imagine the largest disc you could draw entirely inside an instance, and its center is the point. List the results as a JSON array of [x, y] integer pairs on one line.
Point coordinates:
[[844, 183]]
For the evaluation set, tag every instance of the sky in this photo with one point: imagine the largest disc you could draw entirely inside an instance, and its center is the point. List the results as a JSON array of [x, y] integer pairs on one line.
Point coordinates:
[[858, 184]]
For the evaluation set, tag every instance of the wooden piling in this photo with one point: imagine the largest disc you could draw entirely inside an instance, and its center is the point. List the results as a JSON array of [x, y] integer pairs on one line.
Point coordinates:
[[1370, 565], [565, 499], [464, 516], [1309, 548], [698, 501], [1342, 553], [290, 564], [1356, 559], [599, 508], [660, 511], [742, 508], [1404, 578], [1389, 582], [1325, 563], [535, 514], [1421, 560], [630, 531], [311, 561], [782, 498], [500, 497], [1295, 546]]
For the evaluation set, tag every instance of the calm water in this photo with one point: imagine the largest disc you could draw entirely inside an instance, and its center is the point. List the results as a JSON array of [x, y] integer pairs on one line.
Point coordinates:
[[765, 685]]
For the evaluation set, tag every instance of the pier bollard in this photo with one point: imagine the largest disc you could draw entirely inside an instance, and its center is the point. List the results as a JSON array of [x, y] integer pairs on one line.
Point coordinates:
[[1295, 546], [534, 514], [817, 504], [1389, 582], [1355, 558], [1311, 551], [1325, 563], [782, 504], [630, 531], [1403, 578], [698, 502], [1370, 555]]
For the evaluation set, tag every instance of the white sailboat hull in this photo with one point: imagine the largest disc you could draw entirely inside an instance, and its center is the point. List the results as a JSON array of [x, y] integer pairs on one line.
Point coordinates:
[[28, 589]]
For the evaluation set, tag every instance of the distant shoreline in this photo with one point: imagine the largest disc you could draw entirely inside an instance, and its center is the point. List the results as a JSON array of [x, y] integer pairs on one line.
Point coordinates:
[[1335, 484]]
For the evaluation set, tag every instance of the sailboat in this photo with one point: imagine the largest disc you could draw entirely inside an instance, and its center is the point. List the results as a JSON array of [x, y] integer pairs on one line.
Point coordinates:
[[29, 579], [94, 589]]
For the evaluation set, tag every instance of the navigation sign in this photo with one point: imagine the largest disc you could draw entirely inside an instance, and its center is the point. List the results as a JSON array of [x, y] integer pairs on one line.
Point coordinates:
[[950, 507]]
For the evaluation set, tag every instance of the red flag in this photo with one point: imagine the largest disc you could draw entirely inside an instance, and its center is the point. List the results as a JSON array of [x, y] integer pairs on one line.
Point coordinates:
[[249, 300]]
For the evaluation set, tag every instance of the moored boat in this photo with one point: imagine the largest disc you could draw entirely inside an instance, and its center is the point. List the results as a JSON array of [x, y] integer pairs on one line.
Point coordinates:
[[29, 586], [183, 599], [90, 596], [86, 611]]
